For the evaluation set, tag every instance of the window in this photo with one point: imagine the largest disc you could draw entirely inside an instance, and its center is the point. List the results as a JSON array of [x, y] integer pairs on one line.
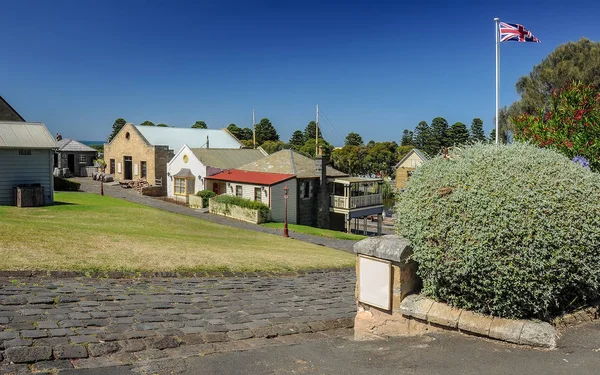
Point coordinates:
[[143, 168], [258, 194], [184, 186], [238, 191], [190, 186], [23, 152], [305, 189], [179, 186], [112, 166], [82, 159]]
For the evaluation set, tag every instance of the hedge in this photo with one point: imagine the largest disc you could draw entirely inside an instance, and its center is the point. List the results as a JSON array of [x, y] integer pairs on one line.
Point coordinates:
[[512, 231]]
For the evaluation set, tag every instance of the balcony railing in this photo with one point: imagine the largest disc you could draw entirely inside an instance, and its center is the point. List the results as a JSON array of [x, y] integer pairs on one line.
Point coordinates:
[[340, 201]]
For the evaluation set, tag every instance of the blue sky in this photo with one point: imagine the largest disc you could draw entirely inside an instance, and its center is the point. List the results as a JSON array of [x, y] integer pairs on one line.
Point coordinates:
[[375, 68]]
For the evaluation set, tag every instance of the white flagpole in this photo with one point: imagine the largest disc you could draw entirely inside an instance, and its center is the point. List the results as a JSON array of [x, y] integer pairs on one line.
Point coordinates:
[[497, 72]]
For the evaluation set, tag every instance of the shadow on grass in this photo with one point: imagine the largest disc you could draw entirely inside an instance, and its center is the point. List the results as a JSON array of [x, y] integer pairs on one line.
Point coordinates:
[[57, 203]]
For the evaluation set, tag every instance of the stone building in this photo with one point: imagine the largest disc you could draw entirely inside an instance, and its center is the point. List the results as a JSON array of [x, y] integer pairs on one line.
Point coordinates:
[[142, 152], [74, 156]]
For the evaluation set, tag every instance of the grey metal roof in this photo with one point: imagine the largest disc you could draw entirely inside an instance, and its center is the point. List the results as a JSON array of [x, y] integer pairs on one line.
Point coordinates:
[[184, 173], [25, 135], [290, 162], [8, 113], [225, 158], [67, 144], [175, 138], [414, 150]]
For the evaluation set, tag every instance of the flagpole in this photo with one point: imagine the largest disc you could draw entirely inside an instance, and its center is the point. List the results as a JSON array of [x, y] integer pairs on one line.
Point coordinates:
[[497, 72]]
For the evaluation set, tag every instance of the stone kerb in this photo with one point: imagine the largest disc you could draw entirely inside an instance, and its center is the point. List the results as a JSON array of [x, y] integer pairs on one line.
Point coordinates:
[[412, 314]]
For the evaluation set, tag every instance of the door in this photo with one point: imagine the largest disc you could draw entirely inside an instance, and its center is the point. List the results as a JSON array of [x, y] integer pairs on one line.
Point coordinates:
[[216, 187], [128, 168], [71, 162]]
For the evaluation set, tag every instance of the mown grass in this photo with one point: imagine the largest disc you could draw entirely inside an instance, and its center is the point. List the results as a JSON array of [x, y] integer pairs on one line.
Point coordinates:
[[317, 231], [88, 232]]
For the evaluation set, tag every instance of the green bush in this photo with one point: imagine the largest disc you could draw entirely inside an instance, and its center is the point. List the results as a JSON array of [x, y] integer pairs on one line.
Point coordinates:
[[205, 195], [244, 203], [61, 184], [512, 231]]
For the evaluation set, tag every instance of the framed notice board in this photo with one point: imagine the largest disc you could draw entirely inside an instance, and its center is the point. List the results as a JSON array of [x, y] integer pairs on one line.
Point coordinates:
[[374, 282]]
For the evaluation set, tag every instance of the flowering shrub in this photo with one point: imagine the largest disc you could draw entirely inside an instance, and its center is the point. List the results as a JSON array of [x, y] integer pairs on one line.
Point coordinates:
[[511, 231], [570, 125]]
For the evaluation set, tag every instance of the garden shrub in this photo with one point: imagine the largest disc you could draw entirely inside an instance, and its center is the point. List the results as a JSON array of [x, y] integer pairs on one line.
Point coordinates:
[[61, 184], [244, 203], [570, 125], [512, 231], [205, 195]]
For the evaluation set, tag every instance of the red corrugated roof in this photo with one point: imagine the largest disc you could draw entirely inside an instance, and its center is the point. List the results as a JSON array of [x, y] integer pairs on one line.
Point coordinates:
[[258, 178]]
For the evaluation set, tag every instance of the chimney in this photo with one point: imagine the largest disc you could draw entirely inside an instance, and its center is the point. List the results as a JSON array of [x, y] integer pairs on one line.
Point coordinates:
[[322, 192]]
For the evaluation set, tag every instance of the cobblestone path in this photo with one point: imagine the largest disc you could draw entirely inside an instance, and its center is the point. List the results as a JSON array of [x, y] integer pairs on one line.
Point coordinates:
[[53, 324]]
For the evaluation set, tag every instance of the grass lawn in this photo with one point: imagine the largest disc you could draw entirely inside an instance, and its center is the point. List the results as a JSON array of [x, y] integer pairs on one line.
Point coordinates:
[[317, 232], [90, 232]]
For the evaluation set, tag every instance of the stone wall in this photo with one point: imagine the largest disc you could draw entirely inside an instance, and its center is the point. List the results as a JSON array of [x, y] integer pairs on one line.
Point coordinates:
[[413, 314], [236, 212]]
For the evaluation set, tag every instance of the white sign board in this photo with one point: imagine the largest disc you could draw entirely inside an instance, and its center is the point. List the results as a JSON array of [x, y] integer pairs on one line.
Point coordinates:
[[374, 282], [135, 169]]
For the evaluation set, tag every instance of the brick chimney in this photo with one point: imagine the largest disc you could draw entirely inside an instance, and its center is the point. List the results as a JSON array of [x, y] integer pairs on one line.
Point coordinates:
[[322, 192]]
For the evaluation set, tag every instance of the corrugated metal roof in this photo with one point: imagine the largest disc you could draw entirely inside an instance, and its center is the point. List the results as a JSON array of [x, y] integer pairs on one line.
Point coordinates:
[[290, 162], [25, 135], [67, 144], [175, 138], [224, 158], [249, 177]]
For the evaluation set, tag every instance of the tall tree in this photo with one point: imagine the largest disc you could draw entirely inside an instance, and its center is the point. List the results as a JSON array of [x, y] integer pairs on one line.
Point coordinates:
[[163, 125], [271, 147], [574, 61], [504, 125], [458, 134], [265, 131], [147, 123], [477, 133], [245, 134], [353, 139], [297, 140], [308, 148], [407, 138], [199, 125], [235, 130], [117, 125], [439, 131], [309, 131], [423, 139], [492, 137]]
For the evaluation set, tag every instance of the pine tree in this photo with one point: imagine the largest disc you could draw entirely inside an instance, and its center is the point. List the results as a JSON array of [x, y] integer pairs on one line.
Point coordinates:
[[477, 133], [407, 138], [458, 134]]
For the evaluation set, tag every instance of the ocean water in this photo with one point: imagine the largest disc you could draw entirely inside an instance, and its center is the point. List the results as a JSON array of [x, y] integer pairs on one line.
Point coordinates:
[[89, 143]]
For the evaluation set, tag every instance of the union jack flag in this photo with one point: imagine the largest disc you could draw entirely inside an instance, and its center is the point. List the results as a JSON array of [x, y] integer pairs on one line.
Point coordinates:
[[516, 32]]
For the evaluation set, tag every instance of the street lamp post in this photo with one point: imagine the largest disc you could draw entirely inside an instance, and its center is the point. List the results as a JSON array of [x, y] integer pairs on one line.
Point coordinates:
[[286, 189]]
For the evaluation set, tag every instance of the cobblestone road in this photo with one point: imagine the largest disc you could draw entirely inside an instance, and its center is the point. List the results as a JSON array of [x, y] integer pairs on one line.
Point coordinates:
[[61, 323]]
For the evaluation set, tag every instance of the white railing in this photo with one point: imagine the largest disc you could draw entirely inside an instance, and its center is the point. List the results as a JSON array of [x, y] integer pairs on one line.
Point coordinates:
[[339, 201]]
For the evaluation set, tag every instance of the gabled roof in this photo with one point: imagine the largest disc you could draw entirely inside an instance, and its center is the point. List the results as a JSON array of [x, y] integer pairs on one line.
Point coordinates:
[[226, 158], [413, 151], [16, 134], [290, 162], [249, 177], [175, 138], [8, 113], [71, 145]]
